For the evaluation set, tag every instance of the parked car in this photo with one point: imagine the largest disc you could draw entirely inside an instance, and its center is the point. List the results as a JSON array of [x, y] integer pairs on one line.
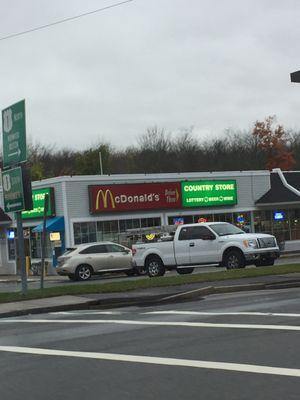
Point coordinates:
[[81, 262], [215, 243]]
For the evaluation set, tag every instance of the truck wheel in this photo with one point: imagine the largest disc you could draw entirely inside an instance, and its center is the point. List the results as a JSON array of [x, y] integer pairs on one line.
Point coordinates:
[[234, 259], [155, 267], [184, 271], [265, 262]]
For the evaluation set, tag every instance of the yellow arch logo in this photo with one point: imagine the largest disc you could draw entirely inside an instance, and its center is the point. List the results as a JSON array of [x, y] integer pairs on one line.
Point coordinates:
[[104, 195], [150, 236]]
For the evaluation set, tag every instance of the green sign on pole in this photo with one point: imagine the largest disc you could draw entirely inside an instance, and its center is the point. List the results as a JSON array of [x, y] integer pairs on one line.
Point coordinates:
[[208, 193], [38, 200], [13, 192], [14, 134]]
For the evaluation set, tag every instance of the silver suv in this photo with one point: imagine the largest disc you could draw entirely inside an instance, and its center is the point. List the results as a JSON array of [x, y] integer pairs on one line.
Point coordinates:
[[80, 263]]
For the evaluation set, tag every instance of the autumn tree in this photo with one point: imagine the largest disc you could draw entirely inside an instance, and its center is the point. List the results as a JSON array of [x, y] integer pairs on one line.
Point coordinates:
[[274, 141]]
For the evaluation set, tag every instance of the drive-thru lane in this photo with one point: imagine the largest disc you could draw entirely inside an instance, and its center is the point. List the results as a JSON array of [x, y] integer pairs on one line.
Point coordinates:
[[233, 346]]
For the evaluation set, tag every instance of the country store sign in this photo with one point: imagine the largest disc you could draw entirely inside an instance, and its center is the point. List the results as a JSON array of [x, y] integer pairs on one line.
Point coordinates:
[[38, 199], [171, 195], [208, 193]]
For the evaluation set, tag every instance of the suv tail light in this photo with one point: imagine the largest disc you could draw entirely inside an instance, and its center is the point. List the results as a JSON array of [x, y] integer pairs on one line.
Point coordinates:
[[133, 251]]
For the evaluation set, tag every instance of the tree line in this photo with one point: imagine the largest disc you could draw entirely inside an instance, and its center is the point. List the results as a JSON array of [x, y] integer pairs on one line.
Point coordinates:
[[266, 146]]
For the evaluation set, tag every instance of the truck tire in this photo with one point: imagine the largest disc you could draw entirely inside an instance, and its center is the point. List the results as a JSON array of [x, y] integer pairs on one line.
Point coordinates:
[[267, 262], [154, 266], [234, 259], [184, 271]]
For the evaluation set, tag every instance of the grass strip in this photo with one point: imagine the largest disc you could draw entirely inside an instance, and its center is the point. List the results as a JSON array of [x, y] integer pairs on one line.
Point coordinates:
[[145, 283]]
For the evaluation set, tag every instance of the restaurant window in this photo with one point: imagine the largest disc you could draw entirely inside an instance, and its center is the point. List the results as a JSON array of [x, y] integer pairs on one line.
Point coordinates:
[[281, 225], [242, 220], [203, 218], [32, 244], [182, 219], [11, 244], [226, 217], [87, 232], [126, 224], [294, 218], [277, 223], [36, 245], [84, 232], [150, 222], [262, 221]]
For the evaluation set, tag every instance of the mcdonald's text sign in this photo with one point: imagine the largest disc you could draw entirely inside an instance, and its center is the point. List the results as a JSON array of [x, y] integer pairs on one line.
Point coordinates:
[[142, 196]]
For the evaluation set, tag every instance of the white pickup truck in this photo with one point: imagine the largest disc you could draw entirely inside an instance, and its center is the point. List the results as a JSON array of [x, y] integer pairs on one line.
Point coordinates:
[[209, 243]]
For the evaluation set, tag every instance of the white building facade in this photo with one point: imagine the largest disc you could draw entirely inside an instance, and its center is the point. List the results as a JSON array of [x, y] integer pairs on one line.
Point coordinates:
[[103, 207]]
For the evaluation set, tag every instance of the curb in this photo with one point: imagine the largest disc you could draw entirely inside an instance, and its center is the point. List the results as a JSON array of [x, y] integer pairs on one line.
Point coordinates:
[[153, 300]]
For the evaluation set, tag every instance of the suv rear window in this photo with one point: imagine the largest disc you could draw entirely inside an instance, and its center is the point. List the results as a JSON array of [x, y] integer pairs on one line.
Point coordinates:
[[69, 250], [97, 248]]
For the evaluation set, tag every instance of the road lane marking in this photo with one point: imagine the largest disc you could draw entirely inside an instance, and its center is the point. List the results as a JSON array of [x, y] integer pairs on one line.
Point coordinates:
[[269, 314], [153, 323], [86, 313], [250, 368]]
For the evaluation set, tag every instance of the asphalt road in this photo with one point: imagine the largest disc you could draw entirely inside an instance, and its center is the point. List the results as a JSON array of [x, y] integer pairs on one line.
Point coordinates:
[[16, 286], [234, 346]]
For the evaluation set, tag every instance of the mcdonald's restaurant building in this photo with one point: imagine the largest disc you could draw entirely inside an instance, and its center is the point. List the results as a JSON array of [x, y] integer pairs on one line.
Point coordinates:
[[94, 208]]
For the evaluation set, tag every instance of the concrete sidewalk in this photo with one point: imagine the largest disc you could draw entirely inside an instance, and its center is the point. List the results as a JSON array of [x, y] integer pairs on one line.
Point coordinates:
[[30, 278], [148, 297]]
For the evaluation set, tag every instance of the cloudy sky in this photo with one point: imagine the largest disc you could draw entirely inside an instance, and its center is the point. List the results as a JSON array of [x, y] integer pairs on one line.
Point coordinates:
[[210, 64]]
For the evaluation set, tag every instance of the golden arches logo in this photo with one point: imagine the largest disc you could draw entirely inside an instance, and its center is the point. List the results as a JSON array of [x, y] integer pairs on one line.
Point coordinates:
[[104, 196]]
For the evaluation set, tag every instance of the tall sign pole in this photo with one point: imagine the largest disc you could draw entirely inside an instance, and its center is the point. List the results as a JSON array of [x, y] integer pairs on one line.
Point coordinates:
[[15, 178], [46, 202]]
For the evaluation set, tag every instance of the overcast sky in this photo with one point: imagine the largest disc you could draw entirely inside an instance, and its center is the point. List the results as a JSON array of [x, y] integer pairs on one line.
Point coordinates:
[[210, 64]]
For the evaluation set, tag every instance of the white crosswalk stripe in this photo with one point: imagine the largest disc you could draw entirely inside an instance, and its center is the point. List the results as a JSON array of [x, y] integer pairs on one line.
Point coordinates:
[[254, 369], [154, 323], [262, 314], [86, 312]]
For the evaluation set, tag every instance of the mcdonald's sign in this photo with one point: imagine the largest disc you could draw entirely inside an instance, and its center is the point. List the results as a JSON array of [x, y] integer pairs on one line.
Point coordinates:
[[142, 196]]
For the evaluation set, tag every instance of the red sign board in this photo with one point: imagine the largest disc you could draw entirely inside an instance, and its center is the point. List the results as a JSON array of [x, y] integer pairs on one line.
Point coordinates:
[[142, 196]]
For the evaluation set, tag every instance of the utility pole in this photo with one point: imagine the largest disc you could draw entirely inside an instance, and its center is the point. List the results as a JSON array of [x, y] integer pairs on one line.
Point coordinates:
[[46, 202], [100, 161]]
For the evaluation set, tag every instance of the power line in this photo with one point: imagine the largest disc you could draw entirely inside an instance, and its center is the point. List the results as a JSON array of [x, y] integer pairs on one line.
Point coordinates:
[[65, 20]]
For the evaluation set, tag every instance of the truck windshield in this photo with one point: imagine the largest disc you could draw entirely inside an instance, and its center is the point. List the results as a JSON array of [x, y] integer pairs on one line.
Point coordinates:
[[225, 229]]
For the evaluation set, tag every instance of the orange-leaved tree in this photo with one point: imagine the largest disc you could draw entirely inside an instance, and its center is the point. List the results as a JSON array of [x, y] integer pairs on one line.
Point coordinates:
[[273, 141]]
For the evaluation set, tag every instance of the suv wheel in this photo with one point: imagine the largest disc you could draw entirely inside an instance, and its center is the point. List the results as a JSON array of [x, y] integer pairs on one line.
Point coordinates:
[[234, 259], [83, 272], [155, 267]]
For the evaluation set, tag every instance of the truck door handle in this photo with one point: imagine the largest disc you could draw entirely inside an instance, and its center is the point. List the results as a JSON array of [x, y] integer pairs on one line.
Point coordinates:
[[192, 244]]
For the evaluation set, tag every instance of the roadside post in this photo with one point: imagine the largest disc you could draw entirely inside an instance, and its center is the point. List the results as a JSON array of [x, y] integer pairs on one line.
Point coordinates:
[[16, 181], [46, 202]]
